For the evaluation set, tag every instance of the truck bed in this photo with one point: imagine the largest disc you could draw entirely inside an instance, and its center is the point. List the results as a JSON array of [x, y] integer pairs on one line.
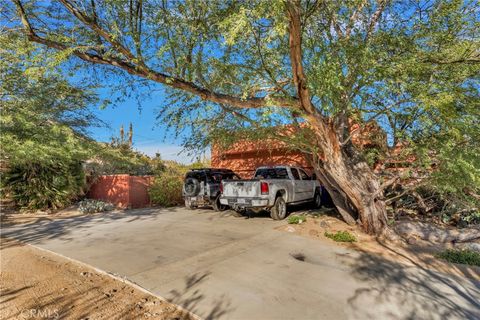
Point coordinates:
[[247, 188]]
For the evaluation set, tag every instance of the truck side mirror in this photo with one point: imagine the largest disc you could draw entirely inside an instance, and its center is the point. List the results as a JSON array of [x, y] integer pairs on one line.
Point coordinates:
[[314, 176]]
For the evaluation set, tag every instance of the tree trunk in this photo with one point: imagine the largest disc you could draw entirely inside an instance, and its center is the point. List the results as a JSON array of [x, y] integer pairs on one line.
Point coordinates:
[[348, 178], [351, 183]]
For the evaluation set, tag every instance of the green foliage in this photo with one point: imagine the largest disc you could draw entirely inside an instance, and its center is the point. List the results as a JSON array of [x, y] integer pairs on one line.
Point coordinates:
[[372, 156], [43, 122], [42, 119], [469, 257], [472, 217], [43, 142], [94, 206], [36, 185], [108, 159], [341, 236], [296, 219], [166, 190]]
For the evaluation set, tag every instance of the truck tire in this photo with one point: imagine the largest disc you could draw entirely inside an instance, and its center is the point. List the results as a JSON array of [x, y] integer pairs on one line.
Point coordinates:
[[217, 206], [191, 187], [317, 199], [279, 209]]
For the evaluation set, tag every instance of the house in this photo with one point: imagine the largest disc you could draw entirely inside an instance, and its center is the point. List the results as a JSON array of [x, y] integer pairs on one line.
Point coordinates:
[[245, 156]]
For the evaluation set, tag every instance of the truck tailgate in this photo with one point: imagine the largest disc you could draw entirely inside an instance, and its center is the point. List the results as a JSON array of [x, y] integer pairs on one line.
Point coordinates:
[[241, 188]]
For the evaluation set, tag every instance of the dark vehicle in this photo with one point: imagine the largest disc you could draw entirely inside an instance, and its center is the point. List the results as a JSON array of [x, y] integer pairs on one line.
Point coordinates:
[[202, 187]]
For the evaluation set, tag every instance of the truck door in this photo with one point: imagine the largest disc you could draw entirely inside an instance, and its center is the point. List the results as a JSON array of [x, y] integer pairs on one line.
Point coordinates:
[[298, 186], [308, 184]]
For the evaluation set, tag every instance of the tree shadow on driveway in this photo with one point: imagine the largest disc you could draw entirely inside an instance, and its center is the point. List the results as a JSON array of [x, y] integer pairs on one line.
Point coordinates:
[[190, 296], [396, 291], [47, 229]]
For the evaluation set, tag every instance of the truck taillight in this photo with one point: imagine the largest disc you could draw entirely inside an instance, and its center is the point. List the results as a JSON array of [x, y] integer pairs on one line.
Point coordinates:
[[264, 188], [221, 187]]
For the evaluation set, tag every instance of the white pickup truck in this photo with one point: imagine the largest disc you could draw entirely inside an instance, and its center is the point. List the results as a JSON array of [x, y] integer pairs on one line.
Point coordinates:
[[272, 188]]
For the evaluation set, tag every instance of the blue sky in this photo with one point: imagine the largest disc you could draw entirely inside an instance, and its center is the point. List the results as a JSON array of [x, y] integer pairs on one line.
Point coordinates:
[[149, 136]]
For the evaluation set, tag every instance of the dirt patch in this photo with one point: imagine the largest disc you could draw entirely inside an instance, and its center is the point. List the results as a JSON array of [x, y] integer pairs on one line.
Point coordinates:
[[38, 284], [420, 253]]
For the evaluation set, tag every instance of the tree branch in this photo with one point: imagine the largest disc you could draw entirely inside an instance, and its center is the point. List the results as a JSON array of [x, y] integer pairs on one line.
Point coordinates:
[[173, 82], [295, 42], [374, 18], [92, 24], [353, 20]]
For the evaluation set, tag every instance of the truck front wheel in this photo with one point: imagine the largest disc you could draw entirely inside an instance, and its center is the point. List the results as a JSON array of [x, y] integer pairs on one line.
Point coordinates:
[[279, 209]]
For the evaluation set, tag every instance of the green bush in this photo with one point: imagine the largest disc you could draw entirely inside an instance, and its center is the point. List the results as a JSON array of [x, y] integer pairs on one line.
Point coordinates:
[[296, 219], [460, 256], [36, 186], [94, 206], [341, 236], [166, 190]]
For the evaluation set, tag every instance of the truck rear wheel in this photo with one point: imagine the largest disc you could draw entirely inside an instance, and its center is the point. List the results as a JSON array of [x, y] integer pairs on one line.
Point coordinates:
[[279, 209], [217, 206]]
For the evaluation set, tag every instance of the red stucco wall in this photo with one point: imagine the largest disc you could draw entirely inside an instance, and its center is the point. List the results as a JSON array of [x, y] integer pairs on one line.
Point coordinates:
[[244, 157], [139, 191], [123, 190]]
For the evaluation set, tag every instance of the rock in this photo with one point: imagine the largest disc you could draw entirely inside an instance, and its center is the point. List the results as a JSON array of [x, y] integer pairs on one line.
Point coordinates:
[[436, 234], [411, 240], [474, 246], [324, 224], [149, 303], [290, 229]]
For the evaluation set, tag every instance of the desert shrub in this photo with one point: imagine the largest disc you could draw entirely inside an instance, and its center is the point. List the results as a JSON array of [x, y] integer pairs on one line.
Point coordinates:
[[296, 219], [36, 186], [341, 236], [460, 256], [113, 159], [167, 189], [472, 217], [93, 206]]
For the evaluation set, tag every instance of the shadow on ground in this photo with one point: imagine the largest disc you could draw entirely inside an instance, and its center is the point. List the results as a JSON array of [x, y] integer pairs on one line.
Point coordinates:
[[47, 228], [411, 292], [190, 296]]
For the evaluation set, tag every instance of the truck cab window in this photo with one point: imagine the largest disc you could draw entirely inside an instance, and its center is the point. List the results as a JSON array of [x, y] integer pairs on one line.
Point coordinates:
[[304, 175], [295, 174], [271, 173]]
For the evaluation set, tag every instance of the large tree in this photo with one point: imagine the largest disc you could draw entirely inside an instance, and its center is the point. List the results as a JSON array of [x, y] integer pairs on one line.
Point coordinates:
[[252, 64]]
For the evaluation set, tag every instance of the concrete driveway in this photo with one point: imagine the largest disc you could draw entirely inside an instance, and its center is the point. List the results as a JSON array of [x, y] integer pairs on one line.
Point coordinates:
[[224, 267]]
